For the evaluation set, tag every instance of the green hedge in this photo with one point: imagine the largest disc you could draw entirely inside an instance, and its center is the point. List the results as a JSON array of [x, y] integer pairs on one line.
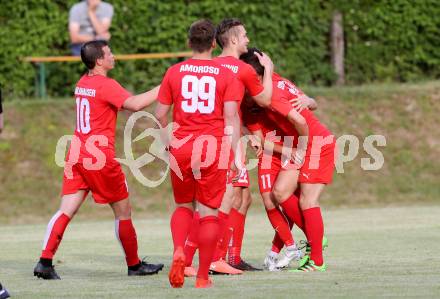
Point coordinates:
[[385, 40]]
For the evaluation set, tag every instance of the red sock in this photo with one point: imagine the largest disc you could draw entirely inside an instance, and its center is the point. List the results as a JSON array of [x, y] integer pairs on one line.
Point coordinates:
[[315, 232], [237, 224], [126, 234], [277, 243], [281, 226], [54, 234], [222, 244], [292, 210], [227, 239], [191, 243], [180, 226], [208, 237]]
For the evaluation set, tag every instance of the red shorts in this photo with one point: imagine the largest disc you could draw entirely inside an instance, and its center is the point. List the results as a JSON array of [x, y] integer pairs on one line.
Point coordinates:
[[206, 184], [319, 169], [107, 185], [243, 179]]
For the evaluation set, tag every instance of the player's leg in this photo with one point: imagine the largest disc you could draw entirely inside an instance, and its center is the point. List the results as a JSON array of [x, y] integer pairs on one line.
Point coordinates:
[[70, 203], [126, 235], [314, 225], [191, 245], [181, 219], [282, 193], [209, 193], [312, 182], [209, 230], [224, 222], [184, 190], [236, 227], [235, 259], [281, 227], [218, 264]]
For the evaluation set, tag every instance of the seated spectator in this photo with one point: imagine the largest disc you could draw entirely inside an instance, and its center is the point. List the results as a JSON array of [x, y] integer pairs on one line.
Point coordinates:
[[89, 20]]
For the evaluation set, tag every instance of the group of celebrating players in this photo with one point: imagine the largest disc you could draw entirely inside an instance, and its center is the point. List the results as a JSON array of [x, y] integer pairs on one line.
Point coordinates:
[[215, 101]]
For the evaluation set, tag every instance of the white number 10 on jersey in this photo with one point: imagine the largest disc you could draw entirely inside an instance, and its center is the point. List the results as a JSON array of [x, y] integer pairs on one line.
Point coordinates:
[[198, 98], [82, 115]]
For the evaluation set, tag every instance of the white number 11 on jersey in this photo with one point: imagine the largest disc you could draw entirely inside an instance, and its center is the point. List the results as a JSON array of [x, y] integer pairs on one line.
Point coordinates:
[[198, 98]]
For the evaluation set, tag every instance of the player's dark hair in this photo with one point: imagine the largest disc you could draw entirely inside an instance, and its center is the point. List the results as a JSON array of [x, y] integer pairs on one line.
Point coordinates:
[[201, 34], [224, 30], [91, 51], [250, 58]]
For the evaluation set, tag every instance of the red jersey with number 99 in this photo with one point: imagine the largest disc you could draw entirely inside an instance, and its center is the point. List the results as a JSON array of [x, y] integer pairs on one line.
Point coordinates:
[[198, 89], [98, 99]]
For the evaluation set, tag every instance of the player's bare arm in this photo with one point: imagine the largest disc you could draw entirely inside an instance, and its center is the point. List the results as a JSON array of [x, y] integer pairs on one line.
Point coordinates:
[[270, 147], [232, 128], [141, 101], [303, 131], [263, 98], [256, 141], [302, 102], [161, 114]]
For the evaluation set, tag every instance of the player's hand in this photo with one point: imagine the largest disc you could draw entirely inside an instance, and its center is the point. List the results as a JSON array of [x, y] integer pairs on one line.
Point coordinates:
[[265, 61], [297, 157], [300, 103], [233, 171], [238, 174], [256, 145]]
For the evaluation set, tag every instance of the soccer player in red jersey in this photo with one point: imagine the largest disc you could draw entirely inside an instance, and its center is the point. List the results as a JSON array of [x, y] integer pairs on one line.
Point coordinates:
[[232, 38], [314, 156], [205, 96], [90, 163]]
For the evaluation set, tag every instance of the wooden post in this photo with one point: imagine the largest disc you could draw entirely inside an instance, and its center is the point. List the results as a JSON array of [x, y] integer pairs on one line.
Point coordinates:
[[337, 47]]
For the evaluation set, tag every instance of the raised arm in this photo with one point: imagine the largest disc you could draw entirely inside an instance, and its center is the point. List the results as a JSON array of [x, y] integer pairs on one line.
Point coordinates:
[[141, 101], [263, 98], [303, 131], [302, 102]]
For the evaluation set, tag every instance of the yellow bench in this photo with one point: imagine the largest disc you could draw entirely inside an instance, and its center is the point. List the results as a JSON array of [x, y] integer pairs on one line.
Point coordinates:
[[40, 62]]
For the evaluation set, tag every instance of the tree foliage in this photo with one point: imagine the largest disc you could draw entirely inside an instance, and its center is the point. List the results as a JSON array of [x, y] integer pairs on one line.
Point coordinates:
[[395, 40]]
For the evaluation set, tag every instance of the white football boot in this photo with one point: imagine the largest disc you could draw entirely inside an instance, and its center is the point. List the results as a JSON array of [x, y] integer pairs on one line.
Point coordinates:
[[290, 253]]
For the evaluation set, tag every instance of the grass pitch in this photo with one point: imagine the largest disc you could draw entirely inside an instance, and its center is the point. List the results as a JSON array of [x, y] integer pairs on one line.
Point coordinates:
[[386, 252]]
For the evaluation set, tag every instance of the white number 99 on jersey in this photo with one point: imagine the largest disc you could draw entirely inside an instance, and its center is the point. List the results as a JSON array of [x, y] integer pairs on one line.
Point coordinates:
[[201, 96]]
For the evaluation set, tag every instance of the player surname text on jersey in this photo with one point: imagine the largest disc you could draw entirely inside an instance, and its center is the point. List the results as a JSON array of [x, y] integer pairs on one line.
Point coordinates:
[[233, 68], [81, 91], [199, 69]]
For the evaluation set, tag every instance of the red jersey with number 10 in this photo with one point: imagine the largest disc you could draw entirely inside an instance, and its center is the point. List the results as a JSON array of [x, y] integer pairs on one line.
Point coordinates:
[[98, 99], [198, 89]]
